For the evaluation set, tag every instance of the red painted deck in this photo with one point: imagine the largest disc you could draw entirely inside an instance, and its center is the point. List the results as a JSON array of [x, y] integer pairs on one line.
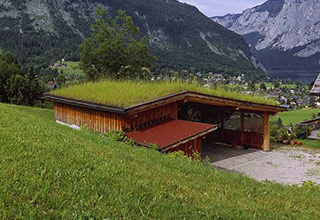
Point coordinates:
[[169, 133]]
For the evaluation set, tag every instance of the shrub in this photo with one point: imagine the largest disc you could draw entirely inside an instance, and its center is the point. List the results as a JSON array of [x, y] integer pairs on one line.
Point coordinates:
[[274, 129], [301, 132], [280, 123], [284, 134], [118, 136], [293, 136]]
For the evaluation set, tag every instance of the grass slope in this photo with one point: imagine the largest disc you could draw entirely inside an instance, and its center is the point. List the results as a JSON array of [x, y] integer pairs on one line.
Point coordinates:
[[71, 68], [49, 171], [128, 93], [296, 116]]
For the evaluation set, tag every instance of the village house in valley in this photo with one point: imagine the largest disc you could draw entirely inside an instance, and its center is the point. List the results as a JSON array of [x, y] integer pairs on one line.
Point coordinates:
[[171, 119]]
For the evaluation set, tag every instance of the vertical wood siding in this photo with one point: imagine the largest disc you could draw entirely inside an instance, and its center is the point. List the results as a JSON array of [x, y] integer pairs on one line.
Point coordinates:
[[96, 120], [102, 122], [189, 148], [152, 116]]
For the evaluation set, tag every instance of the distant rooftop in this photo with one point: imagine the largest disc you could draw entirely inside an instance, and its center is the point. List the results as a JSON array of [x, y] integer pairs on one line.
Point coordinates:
[[129, 93]]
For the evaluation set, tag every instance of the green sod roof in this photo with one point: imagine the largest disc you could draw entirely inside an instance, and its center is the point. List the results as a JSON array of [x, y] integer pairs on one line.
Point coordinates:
[[129, 93]]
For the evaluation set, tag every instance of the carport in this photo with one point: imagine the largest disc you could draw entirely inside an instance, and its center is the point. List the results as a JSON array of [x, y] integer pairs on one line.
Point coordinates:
[[176, 122]]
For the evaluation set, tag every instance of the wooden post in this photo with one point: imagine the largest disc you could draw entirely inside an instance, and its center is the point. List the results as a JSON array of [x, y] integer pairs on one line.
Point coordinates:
[[222, 113], [242, 129], [266, 136]]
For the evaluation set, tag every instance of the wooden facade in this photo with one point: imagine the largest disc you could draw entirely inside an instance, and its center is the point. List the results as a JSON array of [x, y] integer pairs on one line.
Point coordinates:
[[103, 118], [103, 121], [189, 148], [96, 120]]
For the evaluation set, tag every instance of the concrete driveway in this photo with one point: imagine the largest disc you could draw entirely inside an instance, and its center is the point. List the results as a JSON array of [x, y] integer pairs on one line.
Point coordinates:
[[286, 165]]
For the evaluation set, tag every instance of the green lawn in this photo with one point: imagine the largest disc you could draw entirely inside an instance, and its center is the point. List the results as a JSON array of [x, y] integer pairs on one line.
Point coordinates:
[[72, 68], [311, 143], [128, 93], [296, 116], [49, 171]]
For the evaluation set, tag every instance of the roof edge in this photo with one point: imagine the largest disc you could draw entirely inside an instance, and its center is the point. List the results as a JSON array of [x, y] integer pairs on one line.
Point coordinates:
[[131, 109], [85, 104], [236, 100]]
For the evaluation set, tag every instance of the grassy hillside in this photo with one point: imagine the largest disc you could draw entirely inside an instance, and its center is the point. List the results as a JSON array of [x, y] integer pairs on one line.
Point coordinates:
[[49, 171], [296, 116], [128, 93]]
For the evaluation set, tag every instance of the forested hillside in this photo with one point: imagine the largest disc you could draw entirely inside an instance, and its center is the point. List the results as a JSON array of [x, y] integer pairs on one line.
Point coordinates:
[[178, 34]]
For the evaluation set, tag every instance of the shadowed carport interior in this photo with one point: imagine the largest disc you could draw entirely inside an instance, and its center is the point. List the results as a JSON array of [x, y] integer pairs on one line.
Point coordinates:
[[173, 134], [245, 128]]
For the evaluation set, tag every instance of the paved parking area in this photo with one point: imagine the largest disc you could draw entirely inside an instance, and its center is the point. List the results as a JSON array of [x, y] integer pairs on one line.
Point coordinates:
[[286, 165]]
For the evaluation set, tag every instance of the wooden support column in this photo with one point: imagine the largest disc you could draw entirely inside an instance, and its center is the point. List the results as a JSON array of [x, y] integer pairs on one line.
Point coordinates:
[[242, 129], [222, 116], [266, 136]]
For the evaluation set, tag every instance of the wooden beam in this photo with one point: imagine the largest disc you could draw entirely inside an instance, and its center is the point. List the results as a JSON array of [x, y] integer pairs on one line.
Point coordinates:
[[242, 129], [233, 103], [222, 117], [266, 136]]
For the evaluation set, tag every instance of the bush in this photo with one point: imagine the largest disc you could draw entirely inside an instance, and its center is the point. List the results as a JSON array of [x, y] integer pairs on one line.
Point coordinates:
[[274, 129], [118, 136], [284, 134], [301, 132]]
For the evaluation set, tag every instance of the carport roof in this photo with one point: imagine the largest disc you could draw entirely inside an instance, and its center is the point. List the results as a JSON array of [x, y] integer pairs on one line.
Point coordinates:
[[170, 133], [185, 96]]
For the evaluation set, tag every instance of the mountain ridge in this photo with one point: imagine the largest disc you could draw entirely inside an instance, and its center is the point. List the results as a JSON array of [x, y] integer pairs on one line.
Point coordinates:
[[178, 34], [282, 34]]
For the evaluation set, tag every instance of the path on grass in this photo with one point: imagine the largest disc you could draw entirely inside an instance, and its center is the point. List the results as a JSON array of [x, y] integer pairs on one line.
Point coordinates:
[[286, 165]]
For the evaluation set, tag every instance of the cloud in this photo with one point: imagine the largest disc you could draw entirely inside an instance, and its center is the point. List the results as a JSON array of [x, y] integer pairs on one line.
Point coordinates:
[[222, 7]]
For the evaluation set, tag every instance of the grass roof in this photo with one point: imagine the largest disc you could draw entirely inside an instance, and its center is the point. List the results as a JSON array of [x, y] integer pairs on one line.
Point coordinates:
[[128, 93]]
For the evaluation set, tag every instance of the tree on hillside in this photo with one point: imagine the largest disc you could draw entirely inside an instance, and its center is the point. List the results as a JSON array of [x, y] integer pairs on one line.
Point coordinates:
[[251, 86], [114, 50], [17, 88], [8, 66], [263, 86], [276, 85]]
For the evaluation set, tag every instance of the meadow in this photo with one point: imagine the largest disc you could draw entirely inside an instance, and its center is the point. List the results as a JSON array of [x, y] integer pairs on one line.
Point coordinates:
[[296, 116], [71, 69], [50, 171], [128, 93]]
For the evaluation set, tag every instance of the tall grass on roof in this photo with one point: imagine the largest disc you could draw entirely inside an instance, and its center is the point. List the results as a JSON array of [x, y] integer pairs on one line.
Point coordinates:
[[128, 93]]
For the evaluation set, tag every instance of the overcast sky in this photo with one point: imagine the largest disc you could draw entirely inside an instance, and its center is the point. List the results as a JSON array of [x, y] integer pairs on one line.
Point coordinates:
[[222, 7]]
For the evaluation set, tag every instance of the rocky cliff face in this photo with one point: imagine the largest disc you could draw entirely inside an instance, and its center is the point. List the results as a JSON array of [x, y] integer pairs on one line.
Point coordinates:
[[178, 34], [283, 34]]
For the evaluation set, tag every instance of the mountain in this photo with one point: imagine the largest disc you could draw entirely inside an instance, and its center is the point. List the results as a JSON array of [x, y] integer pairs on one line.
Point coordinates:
[[178, 34], [283, 35]]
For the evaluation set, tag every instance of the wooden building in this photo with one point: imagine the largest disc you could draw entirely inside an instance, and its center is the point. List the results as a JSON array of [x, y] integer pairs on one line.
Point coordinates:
[[176, 122]]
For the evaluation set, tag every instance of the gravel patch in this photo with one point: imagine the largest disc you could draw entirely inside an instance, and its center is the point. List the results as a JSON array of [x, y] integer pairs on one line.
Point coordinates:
[[285, 165]]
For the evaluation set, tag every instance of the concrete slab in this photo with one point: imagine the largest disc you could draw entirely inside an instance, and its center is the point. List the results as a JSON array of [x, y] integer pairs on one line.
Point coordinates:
[[286, 165], [314, 135]]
